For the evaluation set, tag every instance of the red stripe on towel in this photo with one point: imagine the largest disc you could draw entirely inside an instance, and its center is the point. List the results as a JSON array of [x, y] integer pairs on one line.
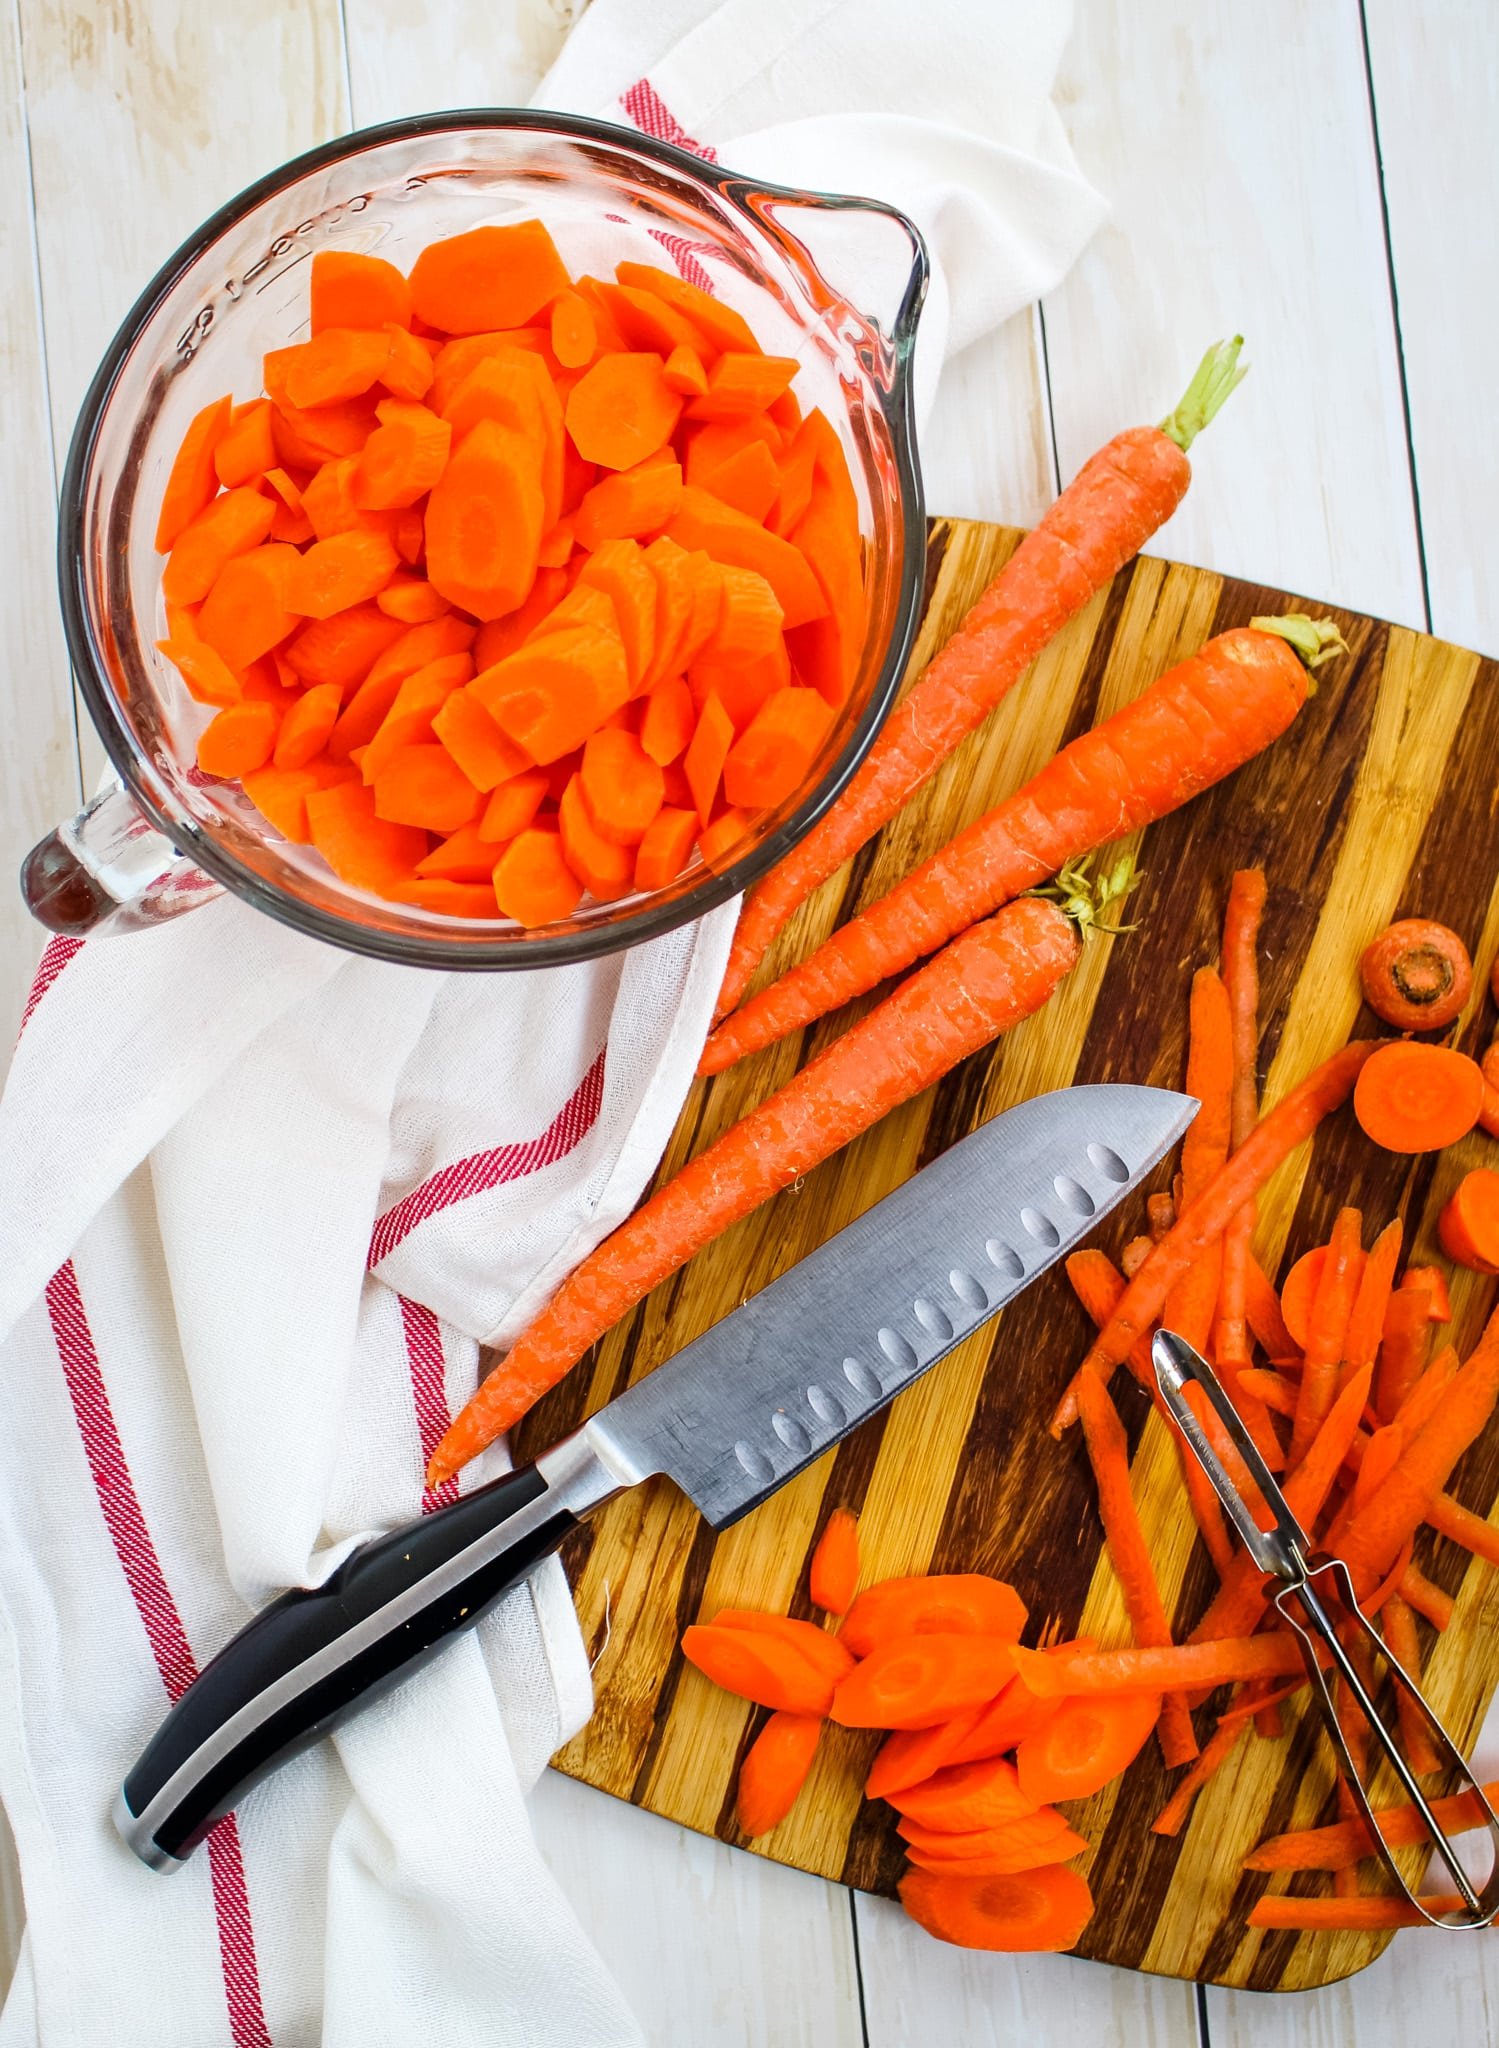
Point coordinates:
[[482, 1171], [55, 956], [652, 116], [120, 1506], [429, 1396]]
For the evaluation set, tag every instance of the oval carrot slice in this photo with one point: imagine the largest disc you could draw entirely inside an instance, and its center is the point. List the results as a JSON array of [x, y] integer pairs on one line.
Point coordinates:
[[306, 726], [761, 1667], [774, 1770], [912, 1681], [238, 739], [1029, 1912], [834, 1575], [939, 1603], [666, 848], [1084, 1745], [977, 1795], [192, 480], [534, 884]]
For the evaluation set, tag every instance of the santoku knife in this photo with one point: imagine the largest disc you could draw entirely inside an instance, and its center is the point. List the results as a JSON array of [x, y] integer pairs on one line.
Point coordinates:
[[733, 1416]]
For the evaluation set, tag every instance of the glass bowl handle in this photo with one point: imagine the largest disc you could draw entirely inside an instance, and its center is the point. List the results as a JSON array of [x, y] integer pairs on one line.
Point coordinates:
[[897, 284], [110, 870]]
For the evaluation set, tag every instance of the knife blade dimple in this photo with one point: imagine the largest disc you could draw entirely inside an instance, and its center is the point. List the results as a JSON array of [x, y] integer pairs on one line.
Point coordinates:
[[759, 1396]]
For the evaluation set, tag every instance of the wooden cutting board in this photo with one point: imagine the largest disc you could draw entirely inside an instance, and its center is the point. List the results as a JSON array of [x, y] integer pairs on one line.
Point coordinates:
[[1381, 801]]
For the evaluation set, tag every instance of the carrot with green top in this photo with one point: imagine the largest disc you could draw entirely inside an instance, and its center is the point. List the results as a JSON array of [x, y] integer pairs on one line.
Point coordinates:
[[1100, 522], [1192, 727], [1288, 1125]]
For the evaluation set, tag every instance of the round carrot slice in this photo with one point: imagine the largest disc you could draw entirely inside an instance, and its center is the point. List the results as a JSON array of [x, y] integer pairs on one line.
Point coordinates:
[[1417, 1098], [1027, 1912], [1298, 1291]]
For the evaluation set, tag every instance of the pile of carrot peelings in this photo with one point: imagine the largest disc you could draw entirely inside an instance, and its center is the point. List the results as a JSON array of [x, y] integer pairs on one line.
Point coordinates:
[[1343, 1380]]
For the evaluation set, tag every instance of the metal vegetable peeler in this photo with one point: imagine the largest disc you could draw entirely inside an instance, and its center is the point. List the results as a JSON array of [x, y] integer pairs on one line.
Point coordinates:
[[1310, 1585]]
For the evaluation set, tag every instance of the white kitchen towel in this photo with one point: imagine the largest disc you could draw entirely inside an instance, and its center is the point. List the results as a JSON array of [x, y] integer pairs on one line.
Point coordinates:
[[260, 1204], [943, 108]]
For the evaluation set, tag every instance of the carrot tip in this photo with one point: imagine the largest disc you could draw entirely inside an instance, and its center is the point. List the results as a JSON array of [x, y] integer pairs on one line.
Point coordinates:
[[1218, 375]]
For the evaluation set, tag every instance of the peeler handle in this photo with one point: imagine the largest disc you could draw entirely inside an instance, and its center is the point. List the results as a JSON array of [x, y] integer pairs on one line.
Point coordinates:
[[1317, 1630]]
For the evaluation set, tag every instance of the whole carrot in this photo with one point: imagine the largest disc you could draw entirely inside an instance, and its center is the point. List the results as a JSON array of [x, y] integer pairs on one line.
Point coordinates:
[[1101, 521], [1190, 728], [1293, 1119], [977, 988]]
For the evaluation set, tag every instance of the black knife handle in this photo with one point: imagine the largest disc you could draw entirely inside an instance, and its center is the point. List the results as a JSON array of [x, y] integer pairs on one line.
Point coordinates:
[[312, 1657]]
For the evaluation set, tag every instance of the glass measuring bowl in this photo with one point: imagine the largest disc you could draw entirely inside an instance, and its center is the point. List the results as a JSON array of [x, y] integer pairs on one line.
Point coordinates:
[[172, 838]]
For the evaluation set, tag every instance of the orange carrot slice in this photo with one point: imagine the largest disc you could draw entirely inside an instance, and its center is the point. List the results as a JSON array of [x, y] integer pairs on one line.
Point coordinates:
[[623, 786], [207, 675], [487, 278], [486, 755], [230, 526], [552, 693], [773, 756], [485, 520], [666, 848], [192, 480], [402, 459], [622, 410], [938, 1603], [912, 1681], [350, 289], [770, 1670], [977, 1795], [514, 805], [247, 448], [534, 884], [703, 521], [1028, 1912], [238, 739], [306, 726], [834, 1577], [1085, 1745], [774, 1770], [602, 865], [246, 613], [421, 784], [333, 574], [361, 848]]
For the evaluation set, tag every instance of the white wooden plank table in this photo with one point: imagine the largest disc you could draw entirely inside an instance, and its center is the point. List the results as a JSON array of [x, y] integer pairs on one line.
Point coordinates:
[[1315, 173]]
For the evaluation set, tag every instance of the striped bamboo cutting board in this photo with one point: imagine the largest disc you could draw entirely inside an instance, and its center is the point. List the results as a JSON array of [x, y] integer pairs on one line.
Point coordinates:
[[1380, 801]]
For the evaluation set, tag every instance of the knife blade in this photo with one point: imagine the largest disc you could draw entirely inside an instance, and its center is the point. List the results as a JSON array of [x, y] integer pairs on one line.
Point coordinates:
[[729, 1418]]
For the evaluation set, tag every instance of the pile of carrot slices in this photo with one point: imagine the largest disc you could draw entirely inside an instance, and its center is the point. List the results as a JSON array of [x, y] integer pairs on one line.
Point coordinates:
[[1342, 1377], [512, 588], [976, 1757]]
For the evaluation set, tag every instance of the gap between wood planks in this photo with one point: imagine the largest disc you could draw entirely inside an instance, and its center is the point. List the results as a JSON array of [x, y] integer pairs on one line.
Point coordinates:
[[1394, 291]]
